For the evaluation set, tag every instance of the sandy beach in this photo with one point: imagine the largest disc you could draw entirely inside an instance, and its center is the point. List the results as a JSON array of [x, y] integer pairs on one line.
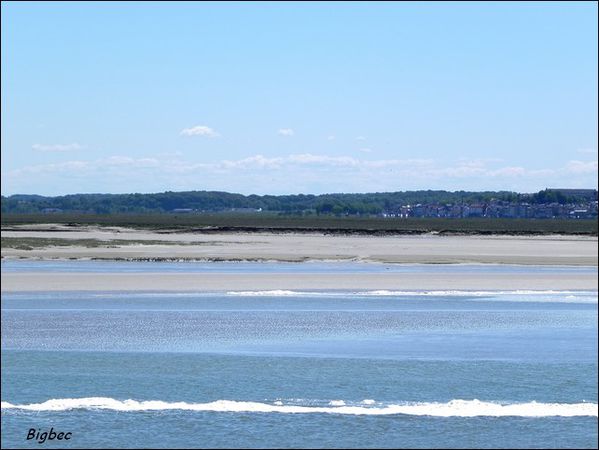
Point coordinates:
[[128, 244], [13, 282]]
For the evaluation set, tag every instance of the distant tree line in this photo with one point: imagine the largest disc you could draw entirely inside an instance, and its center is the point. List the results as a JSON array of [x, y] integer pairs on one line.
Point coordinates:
[[212, 201]]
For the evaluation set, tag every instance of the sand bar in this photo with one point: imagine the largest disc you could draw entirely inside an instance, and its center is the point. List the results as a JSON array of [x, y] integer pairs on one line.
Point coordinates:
[[15, 282], [421, 249], [537, 250]]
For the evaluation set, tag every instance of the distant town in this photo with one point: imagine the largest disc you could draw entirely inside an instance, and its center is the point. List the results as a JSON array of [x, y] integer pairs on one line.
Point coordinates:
[[585, 207]]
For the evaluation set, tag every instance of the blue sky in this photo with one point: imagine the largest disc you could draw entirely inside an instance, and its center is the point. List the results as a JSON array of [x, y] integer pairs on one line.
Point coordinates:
[[298, 97]]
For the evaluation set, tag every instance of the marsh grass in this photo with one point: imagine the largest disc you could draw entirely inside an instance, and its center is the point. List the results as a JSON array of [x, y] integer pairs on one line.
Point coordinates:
[[217, 223], [29, 243]]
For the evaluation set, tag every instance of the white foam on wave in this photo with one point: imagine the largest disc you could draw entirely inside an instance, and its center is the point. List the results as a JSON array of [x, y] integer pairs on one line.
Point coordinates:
[[337, 403], [272, 293], [519, 296], [537, 296], [570, 294], [453, 408]]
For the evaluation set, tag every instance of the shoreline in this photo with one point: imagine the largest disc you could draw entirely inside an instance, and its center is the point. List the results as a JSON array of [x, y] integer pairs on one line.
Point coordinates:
[[303, 260], [428, 251], [214, 282], [306, 262], [145, 245]]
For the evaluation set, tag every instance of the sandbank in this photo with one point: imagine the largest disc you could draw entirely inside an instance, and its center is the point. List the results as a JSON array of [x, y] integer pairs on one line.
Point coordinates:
[[197, 282], [422, 249]]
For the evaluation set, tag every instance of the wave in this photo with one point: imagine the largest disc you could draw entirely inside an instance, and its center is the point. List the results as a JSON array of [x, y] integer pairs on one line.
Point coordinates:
[[453, 408], [272, 293], [550, 295], [557, 295]]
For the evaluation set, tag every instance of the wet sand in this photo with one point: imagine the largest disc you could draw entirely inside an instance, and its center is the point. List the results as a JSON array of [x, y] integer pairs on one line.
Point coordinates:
[[15, 282], [423, 249]]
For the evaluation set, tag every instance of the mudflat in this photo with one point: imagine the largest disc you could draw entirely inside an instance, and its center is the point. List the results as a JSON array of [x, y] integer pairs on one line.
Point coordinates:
[[133, 244], [146, 245]]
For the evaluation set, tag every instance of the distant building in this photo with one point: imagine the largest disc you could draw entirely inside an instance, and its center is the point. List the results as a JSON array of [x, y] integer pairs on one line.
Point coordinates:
[[476, 210], [182, 210], [245, 210], [580, 214]]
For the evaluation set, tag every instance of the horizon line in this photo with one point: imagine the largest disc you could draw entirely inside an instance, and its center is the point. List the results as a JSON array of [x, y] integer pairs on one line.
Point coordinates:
[[306, 194]]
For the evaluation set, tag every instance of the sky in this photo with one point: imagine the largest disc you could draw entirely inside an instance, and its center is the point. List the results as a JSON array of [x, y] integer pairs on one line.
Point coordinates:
[[288, 98]]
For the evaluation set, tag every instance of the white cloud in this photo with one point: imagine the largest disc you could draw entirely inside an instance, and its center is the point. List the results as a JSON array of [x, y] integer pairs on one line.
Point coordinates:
[[360, 138], [291, 173], [103, 164], [588, 151], [120, 161], [257, 161], [68, 166], [331, 137], [460, 171], [285, 132], [199, 130], [366, 150], [509, 172], [324, 160], [581, 167], [56, 147]]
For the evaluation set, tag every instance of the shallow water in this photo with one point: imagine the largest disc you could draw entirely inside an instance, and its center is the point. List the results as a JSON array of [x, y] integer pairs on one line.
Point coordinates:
[[16, 265], [301, 369]]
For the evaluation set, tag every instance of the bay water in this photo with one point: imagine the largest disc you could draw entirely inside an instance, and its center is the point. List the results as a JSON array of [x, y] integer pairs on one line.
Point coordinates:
[[325, 369]]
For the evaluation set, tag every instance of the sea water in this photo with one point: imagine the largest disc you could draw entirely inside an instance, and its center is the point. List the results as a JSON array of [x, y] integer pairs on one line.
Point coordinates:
[[303, 368]]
